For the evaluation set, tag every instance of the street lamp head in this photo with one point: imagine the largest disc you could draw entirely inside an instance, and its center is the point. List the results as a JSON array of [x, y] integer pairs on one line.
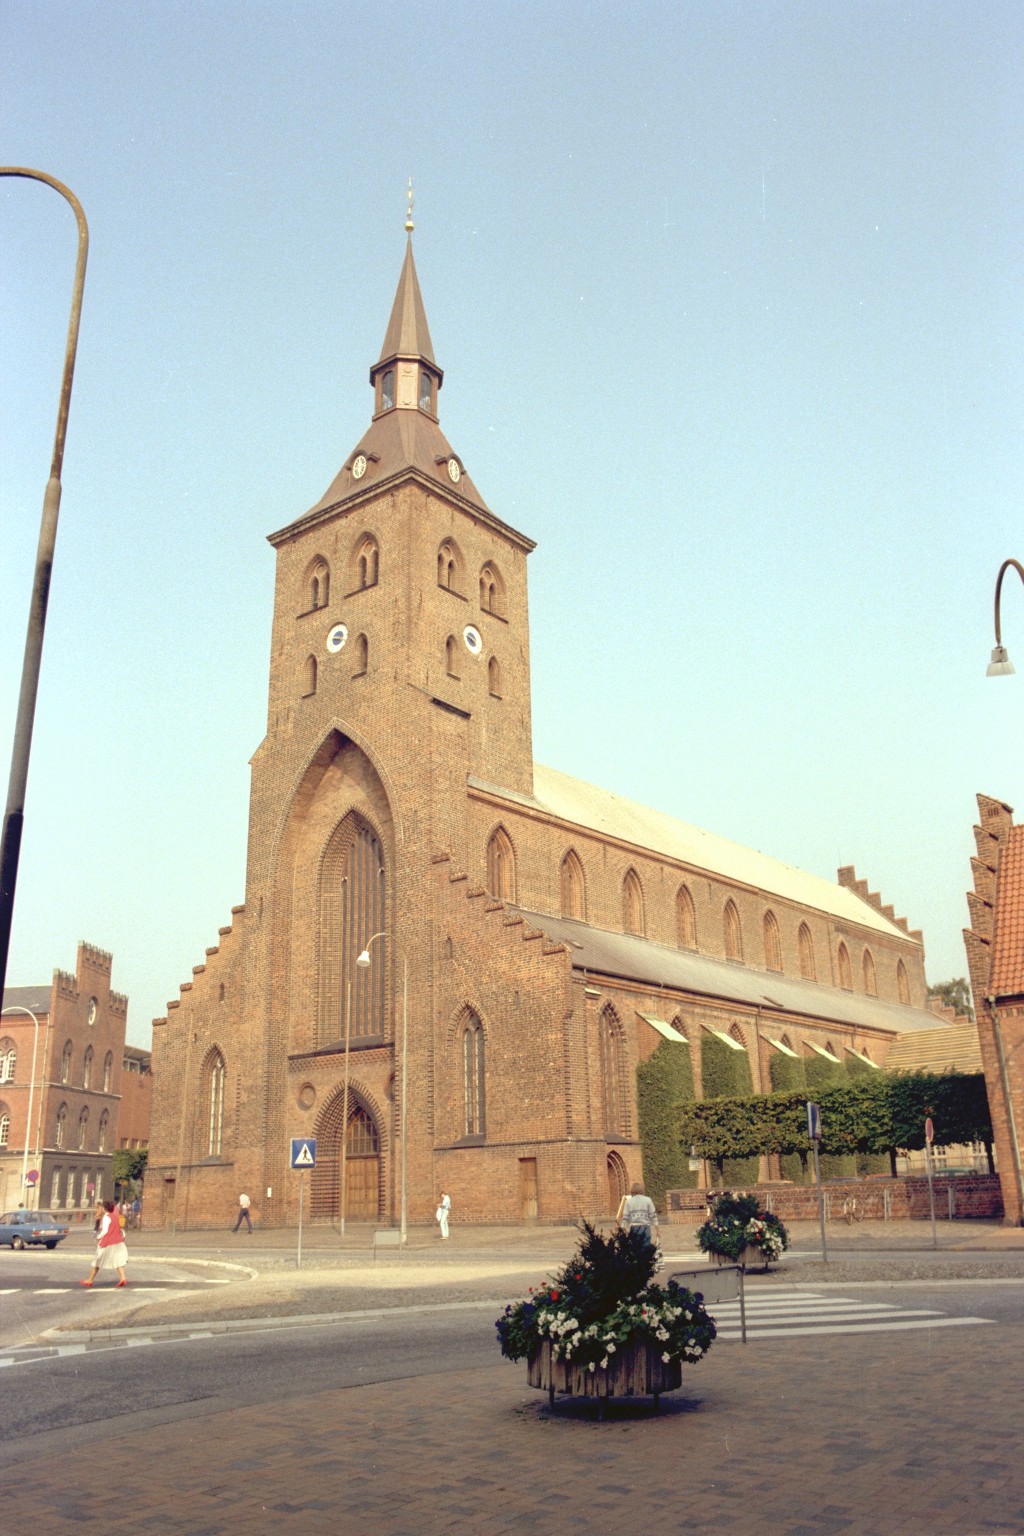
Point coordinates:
[[363, 959], [1000, 665]]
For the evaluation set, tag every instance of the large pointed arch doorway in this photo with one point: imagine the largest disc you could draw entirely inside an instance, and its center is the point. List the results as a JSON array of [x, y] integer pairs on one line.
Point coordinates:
[[617, 1186], [362, 1164]]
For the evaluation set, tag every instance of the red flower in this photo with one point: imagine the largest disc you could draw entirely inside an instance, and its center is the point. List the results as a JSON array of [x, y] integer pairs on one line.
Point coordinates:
[[554, 1295]]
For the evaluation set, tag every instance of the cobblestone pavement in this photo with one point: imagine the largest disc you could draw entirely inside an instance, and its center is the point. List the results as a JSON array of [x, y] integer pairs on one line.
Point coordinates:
[[909, 1434]]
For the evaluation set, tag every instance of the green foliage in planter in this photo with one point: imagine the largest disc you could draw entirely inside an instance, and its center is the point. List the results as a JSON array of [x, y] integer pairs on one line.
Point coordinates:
[[736, 1224], [664, 1083], [603, 1300]]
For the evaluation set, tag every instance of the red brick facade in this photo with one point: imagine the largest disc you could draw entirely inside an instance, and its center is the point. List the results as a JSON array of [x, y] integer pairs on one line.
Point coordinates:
[[70, 1070], [995, 960], [395, 804]]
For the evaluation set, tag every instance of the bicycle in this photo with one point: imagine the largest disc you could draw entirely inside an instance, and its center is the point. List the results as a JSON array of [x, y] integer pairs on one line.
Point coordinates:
[[851, 1210]]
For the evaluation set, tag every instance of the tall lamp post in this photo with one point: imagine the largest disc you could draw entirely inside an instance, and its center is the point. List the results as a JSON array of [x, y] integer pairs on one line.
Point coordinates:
[[1001, 665], [364, 960], [17, 1008], [14, 816]]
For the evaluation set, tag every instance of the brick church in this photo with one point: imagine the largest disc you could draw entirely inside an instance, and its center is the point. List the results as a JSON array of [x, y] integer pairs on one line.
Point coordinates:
[[440, 936]]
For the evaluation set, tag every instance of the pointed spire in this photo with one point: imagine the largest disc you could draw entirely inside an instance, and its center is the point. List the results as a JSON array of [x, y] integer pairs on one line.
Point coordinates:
[[407, 334]]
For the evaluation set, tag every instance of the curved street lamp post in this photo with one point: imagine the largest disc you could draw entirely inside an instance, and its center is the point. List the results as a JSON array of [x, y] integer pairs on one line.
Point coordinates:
[[363, 959], [14, 816], [1001, 665]]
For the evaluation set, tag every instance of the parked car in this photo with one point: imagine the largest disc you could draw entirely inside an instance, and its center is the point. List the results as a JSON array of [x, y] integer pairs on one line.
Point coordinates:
[[19, 1229]]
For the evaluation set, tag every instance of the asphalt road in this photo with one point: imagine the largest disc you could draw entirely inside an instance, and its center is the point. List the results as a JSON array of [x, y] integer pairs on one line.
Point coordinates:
[[62, 1403]]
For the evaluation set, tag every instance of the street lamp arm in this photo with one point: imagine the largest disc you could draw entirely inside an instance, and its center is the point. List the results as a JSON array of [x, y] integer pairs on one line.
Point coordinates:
[[999, 588], [363, 957]]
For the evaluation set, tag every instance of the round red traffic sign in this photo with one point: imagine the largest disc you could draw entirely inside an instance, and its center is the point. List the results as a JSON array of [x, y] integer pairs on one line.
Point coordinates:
[[32, 1177], [929, 1131]]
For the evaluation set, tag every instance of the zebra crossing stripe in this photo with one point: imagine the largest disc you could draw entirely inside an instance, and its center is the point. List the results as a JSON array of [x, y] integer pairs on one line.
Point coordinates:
[[792, 1314]]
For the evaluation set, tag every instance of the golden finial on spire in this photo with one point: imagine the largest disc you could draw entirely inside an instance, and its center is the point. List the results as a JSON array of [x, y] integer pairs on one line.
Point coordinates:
[[408, 212]]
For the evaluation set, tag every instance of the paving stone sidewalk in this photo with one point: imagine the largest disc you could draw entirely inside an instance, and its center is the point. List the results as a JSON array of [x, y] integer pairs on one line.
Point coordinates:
[[883, 1435]]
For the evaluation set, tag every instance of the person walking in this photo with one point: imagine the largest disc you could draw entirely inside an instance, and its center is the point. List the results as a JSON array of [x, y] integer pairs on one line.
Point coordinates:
[[111, 1252], [639, 1212], [444, 1206], [243, 1214]]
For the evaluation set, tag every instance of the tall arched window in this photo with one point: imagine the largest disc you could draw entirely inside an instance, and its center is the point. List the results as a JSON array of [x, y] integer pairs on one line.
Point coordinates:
[[686, 919], [61, 1129], [451, 656], [65, 1063], [216, 1077], [352, 910], [104, 1126], [845, 973], [501, 866], [494, 677], [867, 966], [731, 932], [5, 1126], [613, 1073], [309, 677], [87, 1067], [772, 943], [474, 1120], [574, 892], [108, 1071], [83, 1129], [805, 948], [633, 904], [8, 1060], [362, 656], [902, 984]]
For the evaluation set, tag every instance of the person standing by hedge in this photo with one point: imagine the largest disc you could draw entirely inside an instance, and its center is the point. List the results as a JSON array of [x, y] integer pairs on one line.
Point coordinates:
[[640, 1213]]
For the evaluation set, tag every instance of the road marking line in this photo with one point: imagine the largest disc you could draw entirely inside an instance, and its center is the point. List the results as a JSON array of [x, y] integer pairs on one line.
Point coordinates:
[[850, 1330]]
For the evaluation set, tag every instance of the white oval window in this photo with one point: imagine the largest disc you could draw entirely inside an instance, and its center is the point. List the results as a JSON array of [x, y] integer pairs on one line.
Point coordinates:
[[337, 637], [474, 643]]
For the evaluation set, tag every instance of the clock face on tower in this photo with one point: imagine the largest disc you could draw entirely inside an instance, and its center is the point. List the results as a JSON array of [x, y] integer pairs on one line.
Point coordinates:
[[359, 466], [454, 471], [90, 1017]]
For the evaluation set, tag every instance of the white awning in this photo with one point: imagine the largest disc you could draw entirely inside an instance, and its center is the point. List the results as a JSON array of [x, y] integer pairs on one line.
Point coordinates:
[[668, 1030], [865, 1059], [780, 1045], [728, 1040], [822, 1052]]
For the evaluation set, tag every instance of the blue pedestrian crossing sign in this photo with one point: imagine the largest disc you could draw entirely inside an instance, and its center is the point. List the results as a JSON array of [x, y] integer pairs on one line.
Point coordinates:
[[303, 1152]]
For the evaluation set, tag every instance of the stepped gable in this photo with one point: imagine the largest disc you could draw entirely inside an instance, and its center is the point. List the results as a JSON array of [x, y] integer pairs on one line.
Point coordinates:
[[847, 877], [992, 834]]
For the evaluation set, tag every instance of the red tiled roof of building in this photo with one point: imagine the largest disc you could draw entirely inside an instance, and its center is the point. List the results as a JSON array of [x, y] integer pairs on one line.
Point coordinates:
[[1007, 978]]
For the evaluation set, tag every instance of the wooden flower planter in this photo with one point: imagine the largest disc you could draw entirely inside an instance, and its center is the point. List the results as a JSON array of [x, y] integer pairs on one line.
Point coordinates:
[[635, 1370]]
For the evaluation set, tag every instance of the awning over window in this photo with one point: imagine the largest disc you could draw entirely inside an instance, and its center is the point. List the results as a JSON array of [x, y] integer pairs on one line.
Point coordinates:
[[780, 1045], [668, 1030], [728, 1040], [822, 1052], [865, 1059]]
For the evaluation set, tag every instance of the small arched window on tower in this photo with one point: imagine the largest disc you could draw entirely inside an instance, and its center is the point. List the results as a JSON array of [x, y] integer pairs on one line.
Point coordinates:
[[65, 1063], [366, 563], [474, 1119], [845, 973], [318, 585], [902, 984], [87, 1067], [108, 1071], [805, 947], [494, 677], [772, 943], [574, 894], [387, 389], [426, 391], [686, 919], [633, 904], [449, 567], [867, 967], [732, 932], [361, 656], [451, 656], [492, 590], [309, 677], [501, 866]]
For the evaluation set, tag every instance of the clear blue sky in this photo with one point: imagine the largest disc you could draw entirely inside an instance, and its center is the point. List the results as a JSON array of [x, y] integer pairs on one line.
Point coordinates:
[[728, 299]]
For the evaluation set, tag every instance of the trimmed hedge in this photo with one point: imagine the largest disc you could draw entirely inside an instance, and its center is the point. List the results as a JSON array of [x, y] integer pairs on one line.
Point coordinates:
[[726, 1073], [664, 1084]]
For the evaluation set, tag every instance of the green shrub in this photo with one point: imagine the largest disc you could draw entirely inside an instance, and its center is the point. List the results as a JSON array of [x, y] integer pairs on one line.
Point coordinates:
[[664, 1083]]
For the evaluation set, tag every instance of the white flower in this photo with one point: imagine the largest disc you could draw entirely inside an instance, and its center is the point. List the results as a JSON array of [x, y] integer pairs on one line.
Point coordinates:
[[611, 1349], [591, 1366], [604, 1363], [666, 1357]]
